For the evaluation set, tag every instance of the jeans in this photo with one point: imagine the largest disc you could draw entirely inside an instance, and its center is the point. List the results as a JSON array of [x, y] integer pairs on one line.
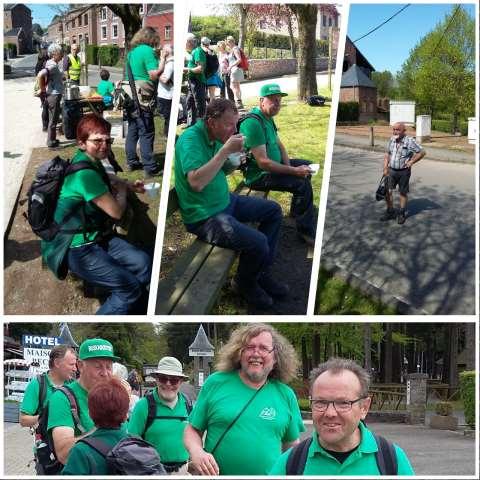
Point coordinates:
[[165, 107], [256, 246], [44, 106], [197, 89], [141, 130], [53, 102], [226, 86], [301, 208], [118, 266]]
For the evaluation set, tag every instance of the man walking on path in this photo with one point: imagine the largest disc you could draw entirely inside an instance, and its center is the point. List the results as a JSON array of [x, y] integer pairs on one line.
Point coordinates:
[[248, 412], [341, 444], [72, 65], [402, 152], [270, 168]]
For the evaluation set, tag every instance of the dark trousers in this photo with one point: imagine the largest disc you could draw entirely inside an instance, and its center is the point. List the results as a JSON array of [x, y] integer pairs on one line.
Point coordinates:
[[44, 106], [119, 267], [302, 208], [141, 130], [227, 229], [198, 91], [53, 105], [165, 107], [226, 86]]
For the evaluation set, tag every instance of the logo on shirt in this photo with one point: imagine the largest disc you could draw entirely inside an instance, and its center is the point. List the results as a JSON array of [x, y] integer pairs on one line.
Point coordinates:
[[268, 413]]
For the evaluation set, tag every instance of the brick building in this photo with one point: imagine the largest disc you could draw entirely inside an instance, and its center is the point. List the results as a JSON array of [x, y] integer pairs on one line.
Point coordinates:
[[110, 30], [160, 17], [79, 25], [17, 26], [353, 56]]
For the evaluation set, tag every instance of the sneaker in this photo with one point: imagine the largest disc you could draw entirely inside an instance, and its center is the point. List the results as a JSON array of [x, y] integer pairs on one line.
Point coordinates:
[[134, 166], [54, 144], [401, 218], [388, 215], [254, 295], [272, 287], [155, 173]]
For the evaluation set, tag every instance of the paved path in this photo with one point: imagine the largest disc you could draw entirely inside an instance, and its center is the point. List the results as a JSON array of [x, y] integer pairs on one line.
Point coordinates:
[[427, 264]]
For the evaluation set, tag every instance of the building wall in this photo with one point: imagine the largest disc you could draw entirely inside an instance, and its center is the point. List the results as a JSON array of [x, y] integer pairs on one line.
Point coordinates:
[[268, 68], [366, 98], [110, 29], [80, 25], [163, 23], [20, 16]]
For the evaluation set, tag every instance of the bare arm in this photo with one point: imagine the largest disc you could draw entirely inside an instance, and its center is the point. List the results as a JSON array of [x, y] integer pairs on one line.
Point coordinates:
[[113, 206], [42, 79], [416, 158], [287, 445], [204, 462], [283, 150], [260, 154], [386, 160], [28, 420], [63, 441]]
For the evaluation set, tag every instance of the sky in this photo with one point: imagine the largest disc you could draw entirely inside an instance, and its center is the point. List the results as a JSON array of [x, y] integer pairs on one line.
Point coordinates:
[[389, 46], [42, 13]]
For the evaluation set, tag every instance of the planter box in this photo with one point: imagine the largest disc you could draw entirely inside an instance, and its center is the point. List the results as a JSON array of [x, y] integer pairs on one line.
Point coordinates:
[[444, 422]]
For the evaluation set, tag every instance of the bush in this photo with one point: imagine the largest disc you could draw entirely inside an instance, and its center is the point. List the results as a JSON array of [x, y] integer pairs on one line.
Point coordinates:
[[447, 126], [304, 404], [444, 408], [467, 391], [108, 55], [300, 387], [348, 112], [92, 54], [12, 48]]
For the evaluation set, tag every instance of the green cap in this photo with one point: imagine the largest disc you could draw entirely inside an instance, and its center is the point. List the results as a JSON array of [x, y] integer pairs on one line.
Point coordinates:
[[96, 348], [271, 89]]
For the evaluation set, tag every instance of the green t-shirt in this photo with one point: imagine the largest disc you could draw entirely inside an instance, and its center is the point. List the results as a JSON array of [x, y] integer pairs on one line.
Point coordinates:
[[142, 59], [192, 150], [360, 462], [79, 187], [31, 396], [105, 87], [164, 434], [254, 442], [84, 460], [197, 56], [255, 135], [60, 415]]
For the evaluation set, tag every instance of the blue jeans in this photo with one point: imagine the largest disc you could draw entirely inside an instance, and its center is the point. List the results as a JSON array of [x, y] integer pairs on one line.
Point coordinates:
[[227, 230], [302, 208], [141, 130], [118, 266]]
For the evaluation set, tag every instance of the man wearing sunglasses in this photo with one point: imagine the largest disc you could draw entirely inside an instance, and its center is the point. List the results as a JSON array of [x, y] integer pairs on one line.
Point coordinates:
[[341, 444], [160, 417]]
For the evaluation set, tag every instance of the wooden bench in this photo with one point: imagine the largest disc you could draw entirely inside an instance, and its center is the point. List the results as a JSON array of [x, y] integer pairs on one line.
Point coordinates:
[[194, 283]]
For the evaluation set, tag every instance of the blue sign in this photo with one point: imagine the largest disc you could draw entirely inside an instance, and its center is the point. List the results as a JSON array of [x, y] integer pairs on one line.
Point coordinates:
[[40, 341]]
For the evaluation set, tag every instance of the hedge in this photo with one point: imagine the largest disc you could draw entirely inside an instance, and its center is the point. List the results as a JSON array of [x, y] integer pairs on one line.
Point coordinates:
[[92, 54], [467, 391], [447, 126], [13, 49], [108, 55], [348, 112]]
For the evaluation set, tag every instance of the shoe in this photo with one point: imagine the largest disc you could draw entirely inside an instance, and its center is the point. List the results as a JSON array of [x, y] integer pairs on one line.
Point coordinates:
[[155, 173], [272, 287], [254, 294], [388, 215], [307, 238], [401, 218], [54, 144], [134, 166]]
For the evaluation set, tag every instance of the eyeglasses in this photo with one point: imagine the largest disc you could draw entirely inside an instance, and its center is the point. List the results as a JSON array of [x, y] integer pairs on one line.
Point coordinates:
[[262, 349], [341, 406], [99, 141], [165, 379]]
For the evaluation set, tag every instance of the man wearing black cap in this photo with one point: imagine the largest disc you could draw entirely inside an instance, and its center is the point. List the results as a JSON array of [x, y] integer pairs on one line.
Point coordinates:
[[269, 166]]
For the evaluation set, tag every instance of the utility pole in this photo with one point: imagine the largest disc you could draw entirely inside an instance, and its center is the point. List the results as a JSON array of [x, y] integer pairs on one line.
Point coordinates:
[[330, 49]]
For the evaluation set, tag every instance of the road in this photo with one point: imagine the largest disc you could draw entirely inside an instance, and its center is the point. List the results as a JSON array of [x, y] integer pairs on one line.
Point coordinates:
[[431, 452], [429, 262]]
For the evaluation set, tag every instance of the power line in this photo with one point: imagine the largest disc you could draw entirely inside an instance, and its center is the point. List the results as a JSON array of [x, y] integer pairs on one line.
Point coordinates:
[[382, 24], [446, 29]]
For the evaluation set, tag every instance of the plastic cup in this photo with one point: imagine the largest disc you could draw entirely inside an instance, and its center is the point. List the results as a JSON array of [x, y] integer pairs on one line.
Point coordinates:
[[152, 189], [235, 159]]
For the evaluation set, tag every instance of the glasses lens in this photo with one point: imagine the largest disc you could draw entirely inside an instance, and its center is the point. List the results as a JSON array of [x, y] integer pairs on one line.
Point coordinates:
[[99, 141], [263, 350], [172, 380]]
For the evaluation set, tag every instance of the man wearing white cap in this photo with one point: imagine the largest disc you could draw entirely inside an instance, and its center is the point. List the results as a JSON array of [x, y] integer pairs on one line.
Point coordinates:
[[161, 416], [195, 64]]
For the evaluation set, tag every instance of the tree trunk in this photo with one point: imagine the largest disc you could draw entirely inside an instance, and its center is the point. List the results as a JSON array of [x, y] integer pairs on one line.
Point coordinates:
[[453, 348], [243, 25], [470, 345], [305, 366], [315, 350], [293, 48], [307, 49], [367, 347], [387, 372]]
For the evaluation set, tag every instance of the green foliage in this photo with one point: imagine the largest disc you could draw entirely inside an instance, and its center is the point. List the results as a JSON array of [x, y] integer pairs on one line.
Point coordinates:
[[300, 387], [467, 391], [16, 330], [215, 28], [304, 404], [12, 48], [448, 126], [348, 111], [384, 81], [108, 55], [92, 54], [444, 408]]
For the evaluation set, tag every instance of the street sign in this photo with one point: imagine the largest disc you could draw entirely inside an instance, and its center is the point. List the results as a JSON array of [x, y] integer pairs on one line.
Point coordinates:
[[39, 341]]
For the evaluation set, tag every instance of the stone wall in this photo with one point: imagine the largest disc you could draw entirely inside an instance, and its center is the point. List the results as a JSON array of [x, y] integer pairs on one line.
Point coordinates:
[[271, 68]]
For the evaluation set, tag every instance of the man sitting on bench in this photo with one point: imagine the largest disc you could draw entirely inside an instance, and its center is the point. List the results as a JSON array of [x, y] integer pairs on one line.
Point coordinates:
[[217, 216], [270, 168]]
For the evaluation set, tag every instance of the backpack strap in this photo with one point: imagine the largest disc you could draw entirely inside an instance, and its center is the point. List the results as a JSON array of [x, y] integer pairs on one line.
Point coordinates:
[[188, 402], [96, 444], [75, 411], [42, 392], [259, 119], [385, 456], [298, 458]]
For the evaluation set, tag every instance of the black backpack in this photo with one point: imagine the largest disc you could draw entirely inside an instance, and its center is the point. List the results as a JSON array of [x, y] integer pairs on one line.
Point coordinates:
[[130, 456], [385, 456], [42, 393], [45, 458], [152, 411], [42, 197], [212, 64], [316, 101]]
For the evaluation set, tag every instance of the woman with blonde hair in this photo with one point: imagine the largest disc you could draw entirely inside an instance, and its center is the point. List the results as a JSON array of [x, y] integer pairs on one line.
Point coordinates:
[[237, 75]]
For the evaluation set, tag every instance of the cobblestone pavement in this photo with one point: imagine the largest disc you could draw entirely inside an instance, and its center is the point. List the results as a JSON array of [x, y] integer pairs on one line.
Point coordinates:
[[17, 453]]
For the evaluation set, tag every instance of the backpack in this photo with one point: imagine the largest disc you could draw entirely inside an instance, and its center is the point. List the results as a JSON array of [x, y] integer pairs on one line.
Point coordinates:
[[42, 197], [152, 411], [243, 64], [45, 458], [130, 456], [316, 101], [42, 393], [212, 65], [386, 457]]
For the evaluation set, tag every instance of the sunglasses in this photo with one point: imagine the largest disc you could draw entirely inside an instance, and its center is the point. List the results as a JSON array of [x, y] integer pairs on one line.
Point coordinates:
[[167, 378], [99, 141]]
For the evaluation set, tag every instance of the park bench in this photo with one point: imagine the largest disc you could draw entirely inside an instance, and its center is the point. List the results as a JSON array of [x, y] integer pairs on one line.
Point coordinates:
[[194, 283]]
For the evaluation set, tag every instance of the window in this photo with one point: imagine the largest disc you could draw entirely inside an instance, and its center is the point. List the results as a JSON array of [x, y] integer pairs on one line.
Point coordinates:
[[336, 21], [80, 37], [263, 24], [79, 20], [86, 39], [140, 11], [85, 19], [104, 32], [324, 20], [114, 30], [68, 28], [103, 13], [73, 23], [330, 21], [168, 32]]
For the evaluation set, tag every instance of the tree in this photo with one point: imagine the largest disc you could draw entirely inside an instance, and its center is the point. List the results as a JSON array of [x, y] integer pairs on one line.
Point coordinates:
[[440, 71], [129, 13], [384, 81], [306, 15]]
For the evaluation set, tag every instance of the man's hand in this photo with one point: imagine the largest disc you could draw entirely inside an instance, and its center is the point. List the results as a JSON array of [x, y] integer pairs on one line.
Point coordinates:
[[204, 463], [302, 171], [137, 186], [234, 144]]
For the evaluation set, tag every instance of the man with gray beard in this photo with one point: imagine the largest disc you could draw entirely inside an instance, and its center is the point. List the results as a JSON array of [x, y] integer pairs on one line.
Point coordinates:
[[249, 414]]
